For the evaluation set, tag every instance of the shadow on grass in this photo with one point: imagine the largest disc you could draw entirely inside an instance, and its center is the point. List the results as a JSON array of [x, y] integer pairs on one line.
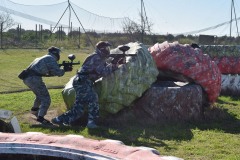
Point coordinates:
[[57, 129], [148, 132]]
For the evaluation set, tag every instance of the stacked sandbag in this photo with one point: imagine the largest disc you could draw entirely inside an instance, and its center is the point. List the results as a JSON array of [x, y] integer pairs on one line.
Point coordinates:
[[123, 86], [189, 62], [227, 59]]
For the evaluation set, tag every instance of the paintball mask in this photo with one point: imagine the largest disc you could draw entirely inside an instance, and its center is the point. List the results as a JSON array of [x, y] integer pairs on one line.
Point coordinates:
[[104, 47], [55, 51]]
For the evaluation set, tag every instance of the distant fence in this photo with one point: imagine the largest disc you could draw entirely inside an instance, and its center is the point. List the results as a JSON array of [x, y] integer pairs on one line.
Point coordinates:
[[206, 40], [20, 38]]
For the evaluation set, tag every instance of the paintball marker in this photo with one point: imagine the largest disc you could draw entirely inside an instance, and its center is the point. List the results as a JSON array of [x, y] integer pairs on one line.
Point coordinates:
[[120, 58], [67, 66]]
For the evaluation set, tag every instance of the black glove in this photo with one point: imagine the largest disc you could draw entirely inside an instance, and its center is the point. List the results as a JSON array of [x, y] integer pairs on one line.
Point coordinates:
[[67, 68]]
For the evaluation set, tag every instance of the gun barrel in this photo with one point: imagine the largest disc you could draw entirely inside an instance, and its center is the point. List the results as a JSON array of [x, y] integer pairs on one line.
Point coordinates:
[[76, 63], [67, 63], [117, 57]]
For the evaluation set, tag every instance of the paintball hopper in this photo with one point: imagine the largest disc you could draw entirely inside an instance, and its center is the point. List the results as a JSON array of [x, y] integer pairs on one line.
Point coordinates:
[[123, 48], [120, 57], [71, 57], [67, 66]]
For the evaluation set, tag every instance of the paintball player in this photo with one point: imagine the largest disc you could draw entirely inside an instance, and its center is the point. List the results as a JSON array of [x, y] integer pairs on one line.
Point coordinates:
[[45, 66], [94, 67]]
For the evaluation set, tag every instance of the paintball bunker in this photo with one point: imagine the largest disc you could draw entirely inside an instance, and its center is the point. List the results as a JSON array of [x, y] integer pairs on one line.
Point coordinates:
[[123, 86], [230, 85], [34, 145], [227, 59], [170, 101], [191, 63], [150, 84], [8, 123]]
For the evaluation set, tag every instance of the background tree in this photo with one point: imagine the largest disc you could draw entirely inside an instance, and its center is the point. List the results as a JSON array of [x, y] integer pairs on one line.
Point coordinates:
[[137, 31], [6, 21], [132, 29]]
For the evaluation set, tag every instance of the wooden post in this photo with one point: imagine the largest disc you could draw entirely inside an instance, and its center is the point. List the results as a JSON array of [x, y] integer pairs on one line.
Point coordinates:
[[41, 33], [79, 35], [59, 30], [1, 34], [36, 36], [61, 33], [20, 32]]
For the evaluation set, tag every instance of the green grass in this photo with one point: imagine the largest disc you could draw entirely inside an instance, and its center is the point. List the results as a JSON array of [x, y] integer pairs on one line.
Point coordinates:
[[12, 62], [215, 138]]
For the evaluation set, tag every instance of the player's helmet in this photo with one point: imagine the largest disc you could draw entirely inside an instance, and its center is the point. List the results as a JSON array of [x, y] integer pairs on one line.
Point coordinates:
[[104, 46], [55, 51]]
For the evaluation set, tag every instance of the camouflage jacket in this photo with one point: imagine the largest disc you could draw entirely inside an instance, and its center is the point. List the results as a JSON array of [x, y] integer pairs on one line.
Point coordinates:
[[95, 66], [46, 66]]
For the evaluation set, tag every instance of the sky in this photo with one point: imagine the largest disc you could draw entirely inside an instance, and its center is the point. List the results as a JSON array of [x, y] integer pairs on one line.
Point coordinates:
[[167, 16]]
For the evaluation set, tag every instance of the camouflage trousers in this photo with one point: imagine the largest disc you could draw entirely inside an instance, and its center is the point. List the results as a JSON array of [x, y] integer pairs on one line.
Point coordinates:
[[42, 100], [85, 96]]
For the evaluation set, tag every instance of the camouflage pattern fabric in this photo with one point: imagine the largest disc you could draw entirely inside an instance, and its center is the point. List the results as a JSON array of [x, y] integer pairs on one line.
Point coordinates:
[[221, 50], [190, 62], [230, 85], [94, 66], [42, 100], [119, 89], [228, 65], [85, 95], [226, 57], [165, 101], [46, 66]]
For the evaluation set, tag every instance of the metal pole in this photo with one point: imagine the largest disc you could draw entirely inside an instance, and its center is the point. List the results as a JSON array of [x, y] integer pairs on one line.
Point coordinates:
[[235, 17], [82, 27], [69, 20]]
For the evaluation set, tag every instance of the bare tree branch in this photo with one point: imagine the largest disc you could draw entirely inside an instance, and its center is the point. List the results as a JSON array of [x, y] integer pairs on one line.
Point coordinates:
[[6, 20], [131, 27]]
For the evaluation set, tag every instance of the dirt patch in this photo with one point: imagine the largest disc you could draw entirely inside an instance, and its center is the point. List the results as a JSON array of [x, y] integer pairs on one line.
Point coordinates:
[[123, 116], [31, 119]]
